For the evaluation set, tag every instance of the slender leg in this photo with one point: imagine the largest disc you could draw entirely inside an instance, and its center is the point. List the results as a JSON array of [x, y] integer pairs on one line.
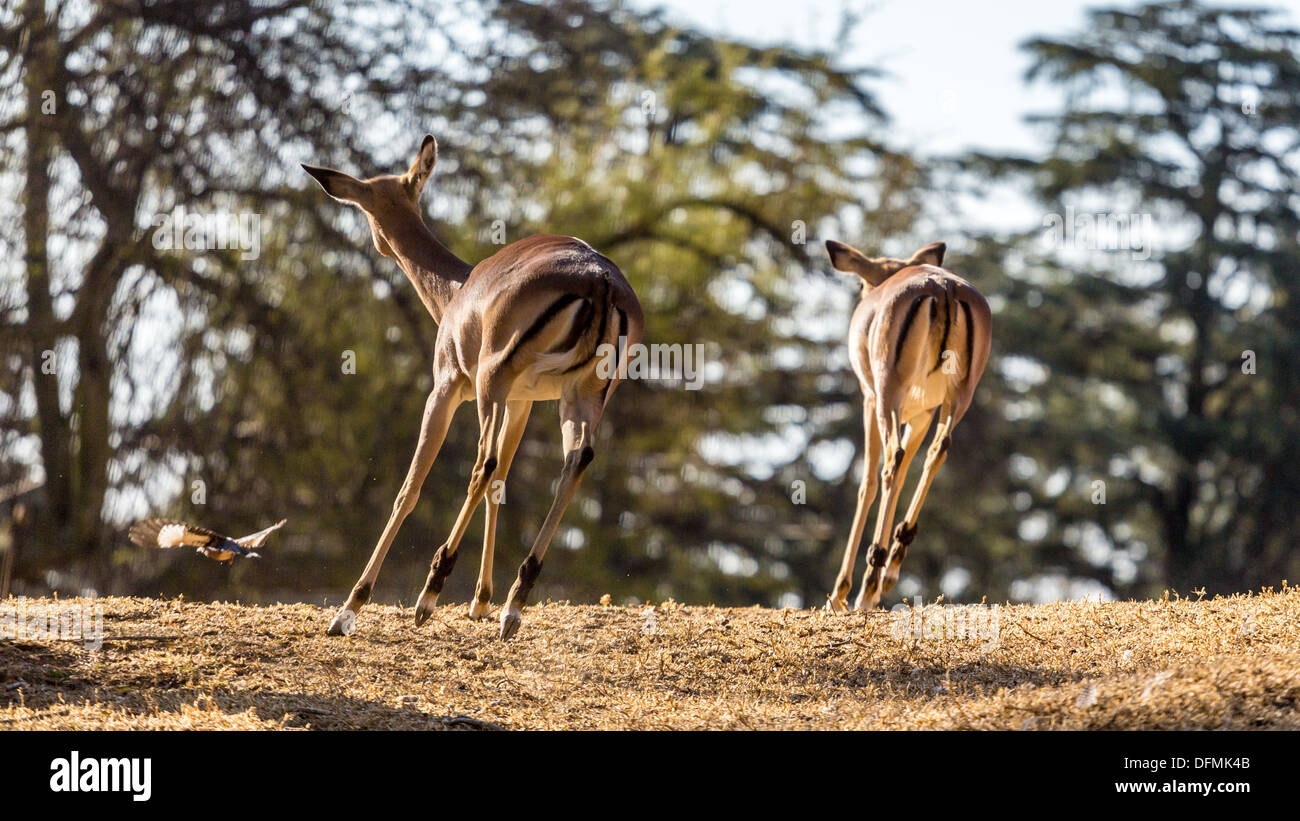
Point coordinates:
[[906, 530], [492, 412], [838, 600], [898, 457], [438, 410], [516, 420], [579, 416]]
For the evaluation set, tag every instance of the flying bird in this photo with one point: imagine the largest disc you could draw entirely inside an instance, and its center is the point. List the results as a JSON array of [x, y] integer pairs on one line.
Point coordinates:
[[167, 533]]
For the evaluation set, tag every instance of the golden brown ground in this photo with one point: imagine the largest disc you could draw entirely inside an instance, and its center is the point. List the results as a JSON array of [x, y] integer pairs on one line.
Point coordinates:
[[1221, 663]]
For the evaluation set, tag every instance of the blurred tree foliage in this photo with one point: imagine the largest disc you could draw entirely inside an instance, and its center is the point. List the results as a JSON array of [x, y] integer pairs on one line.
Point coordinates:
[[702, 166], [710, 171], [1149, 330]]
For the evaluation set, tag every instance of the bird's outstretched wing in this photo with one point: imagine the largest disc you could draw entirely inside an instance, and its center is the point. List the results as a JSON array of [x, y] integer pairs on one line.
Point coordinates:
[[168, 533], [259, 538]]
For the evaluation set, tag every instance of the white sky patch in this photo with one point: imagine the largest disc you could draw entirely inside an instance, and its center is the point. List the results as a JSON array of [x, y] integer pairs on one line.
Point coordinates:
[[959, 87]]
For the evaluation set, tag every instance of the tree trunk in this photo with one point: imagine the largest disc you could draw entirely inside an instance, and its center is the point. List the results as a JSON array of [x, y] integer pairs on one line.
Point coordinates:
[[42, 326]]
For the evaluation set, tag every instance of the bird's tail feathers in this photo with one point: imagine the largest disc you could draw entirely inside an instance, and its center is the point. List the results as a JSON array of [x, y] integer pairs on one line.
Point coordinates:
[[157, 533]]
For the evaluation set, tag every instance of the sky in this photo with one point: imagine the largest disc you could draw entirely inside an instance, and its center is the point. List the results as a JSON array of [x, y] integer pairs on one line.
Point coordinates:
[[956, 69]]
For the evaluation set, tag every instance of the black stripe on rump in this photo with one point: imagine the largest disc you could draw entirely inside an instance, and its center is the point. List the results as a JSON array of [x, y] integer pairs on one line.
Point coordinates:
[[600, 334], [541, 321], [580, 323], [618, 356], [970, 336], [947, 328], [907, 325]]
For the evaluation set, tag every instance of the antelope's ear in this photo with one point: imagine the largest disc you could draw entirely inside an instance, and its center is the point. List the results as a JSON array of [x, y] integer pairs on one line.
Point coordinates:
[[425, 159], [340, 186], [931, 254], [850, 260]]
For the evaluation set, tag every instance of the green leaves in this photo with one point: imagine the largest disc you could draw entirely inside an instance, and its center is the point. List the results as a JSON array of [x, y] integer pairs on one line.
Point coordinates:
[[1161, 117]]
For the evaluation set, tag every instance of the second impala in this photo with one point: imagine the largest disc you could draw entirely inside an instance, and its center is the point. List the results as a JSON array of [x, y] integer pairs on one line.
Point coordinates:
[[918, 341]]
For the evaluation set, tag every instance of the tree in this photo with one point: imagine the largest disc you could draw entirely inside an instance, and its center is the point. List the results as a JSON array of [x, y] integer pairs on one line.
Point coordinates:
[[1170, 379], [126, 112], [208, 383]]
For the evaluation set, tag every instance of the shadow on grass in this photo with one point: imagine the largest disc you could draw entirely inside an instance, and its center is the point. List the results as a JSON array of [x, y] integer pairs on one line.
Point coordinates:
[[51, 676]]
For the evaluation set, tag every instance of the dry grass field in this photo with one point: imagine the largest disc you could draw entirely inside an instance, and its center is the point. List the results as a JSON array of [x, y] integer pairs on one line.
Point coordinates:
[[1230, 663]]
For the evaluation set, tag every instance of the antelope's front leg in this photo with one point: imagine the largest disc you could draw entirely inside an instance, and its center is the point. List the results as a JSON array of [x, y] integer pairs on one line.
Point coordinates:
[[438, 411], [838, 601], [516, 420]]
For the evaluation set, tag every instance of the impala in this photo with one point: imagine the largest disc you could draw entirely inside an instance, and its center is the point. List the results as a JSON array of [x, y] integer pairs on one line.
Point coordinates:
[[523, 325], [918, 341]]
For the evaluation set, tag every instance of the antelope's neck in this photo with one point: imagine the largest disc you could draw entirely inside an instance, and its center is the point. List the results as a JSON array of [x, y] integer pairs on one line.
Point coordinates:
[[433, 269]]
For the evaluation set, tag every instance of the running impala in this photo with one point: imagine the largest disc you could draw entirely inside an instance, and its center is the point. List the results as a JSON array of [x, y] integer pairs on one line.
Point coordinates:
[[525, 324], [918, 341]]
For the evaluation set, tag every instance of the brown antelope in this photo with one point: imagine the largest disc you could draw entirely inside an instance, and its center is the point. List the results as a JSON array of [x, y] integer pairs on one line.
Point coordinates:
[[523, 325], [918, 341]]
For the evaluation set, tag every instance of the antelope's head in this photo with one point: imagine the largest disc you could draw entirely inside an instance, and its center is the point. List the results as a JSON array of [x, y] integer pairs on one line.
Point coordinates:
[[387, 200], [875, 270]]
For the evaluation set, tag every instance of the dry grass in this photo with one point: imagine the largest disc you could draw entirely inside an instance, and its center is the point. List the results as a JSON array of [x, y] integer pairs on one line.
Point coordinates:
[[1222, 663]]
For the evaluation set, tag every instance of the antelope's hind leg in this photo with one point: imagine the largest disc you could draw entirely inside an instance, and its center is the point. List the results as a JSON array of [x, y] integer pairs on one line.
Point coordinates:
[[516, 420], [898, 458], [579, 416], [492, 413], [906, 530]]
